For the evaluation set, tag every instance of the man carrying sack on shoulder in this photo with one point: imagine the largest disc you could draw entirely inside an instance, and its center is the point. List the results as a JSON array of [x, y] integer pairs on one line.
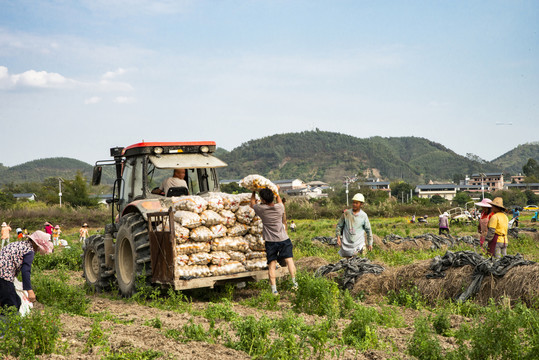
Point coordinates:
[[352, 228]]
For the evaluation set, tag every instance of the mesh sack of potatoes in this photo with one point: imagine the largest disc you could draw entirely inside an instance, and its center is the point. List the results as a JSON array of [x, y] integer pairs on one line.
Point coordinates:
[[218, 230], [187, 219], [251, 255], [191, 247], [256, 226], [229, 218], [255, 264], [201, 234], [232, 267], [215, 202], [256, 242], [181, 234], [200, 259], [245, 214], [238, 230], [192, 271], [257, 182], [219, 257], [244, 199], [210, 217], [230, 243], [236, 255], [182, 260], [193, 203]]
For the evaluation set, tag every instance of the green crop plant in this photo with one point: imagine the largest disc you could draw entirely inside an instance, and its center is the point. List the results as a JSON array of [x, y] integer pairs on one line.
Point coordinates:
[[35, 334], [194, 332], [441, 323], [56, 292], [156, 323], [97, 338], [316, 295], [424, 345], [265, 300], [66, 259], [134, 355], [410, 298], [252, 335], [220, 311]]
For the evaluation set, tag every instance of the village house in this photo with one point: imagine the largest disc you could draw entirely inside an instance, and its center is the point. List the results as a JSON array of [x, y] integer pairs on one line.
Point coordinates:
[[25, 196], [491, 181], [523, 187], [517, 179], [447, 191], [375, 184]]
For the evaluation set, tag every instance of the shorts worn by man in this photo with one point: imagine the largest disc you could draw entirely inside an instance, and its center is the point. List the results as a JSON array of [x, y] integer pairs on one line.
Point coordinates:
[[352, 228], [278, 245]]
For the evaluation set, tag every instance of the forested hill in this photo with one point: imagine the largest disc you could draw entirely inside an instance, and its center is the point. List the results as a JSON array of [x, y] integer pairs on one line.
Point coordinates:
[[39, 170], [513, 160], [329, 156]]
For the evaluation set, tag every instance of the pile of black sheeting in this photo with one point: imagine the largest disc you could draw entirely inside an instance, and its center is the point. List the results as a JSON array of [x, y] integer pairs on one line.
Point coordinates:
[[514, 231], [437, 241], [482, 267], [353, 267], [326, 240]]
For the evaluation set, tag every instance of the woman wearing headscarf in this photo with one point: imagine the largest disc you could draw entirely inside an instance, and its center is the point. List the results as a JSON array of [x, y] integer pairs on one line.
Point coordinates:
[[484, 217], [497, 229], [18, 257]]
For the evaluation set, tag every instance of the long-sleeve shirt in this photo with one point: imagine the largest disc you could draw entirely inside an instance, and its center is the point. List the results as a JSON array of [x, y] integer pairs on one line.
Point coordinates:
[[352, 228], [14, 257]]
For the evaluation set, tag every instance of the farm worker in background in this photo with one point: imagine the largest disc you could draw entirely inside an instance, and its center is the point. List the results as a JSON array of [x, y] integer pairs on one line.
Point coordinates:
[[5, 233], [177, 180], [18, 256], [19, 233], [443, 223], [83, 232], [293, 226], [278, 244], [486, 213], [48, 228], [24, 231], [516, 215], [497, 229], [534, 218], [55, 235], [352, 227], [413, 219]]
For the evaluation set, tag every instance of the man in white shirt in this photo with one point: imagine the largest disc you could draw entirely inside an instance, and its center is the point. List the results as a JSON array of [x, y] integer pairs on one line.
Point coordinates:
[[177, 180]]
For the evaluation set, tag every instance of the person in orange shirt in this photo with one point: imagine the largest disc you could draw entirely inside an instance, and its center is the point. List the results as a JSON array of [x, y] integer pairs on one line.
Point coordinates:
[[497, 229], [5, 233], [83, 232], [19, 233]]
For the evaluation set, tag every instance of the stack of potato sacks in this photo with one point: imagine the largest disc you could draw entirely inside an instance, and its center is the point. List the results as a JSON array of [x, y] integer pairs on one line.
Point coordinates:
[[218, 234]]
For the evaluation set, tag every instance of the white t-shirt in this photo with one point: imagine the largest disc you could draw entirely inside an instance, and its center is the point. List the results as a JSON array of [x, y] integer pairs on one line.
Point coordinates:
[[172, 182]]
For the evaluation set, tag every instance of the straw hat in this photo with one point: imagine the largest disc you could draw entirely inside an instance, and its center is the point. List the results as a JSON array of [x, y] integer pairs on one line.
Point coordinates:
[[4, 224], [42, 240], [84, 225], [498, 202], [484, 203]]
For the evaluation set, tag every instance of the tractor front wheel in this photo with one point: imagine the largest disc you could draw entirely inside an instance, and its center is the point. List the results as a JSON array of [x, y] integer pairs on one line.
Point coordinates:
[[94, 270]]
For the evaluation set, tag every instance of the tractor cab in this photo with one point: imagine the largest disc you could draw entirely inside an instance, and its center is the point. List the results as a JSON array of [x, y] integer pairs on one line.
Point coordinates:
[[141, 169]]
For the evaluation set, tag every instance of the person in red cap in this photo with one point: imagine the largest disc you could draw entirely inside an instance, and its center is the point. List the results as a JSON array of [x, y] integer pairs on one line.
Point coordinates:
[[18, 257]]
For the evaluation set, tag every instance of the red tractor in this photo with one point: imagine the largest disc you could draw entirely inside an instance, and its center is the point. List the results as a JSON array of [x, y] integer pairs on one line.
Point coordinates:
[[133, 245]]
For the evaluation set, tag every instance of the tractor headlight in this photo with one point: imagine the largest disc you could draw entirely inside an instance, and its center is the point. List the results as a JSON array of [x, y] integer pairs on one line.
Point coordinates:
[[158, 150], [204, 149]]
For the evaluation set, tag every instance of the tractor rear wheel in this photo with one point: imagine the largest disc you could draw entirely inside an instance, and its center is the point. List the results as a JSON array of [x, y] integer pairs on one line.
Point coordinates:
[[93, 263], [132, 253]]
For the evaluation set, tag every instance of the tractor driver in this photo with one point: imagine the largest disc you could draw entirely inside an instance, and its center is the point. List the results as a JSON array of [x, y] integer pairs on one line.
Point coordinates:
[[177, 180]]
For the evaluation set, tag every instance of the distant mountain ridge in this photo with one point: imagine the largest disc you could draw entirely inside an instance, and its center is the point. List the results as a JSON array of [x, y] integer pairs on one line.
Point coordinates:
[[317, 155]]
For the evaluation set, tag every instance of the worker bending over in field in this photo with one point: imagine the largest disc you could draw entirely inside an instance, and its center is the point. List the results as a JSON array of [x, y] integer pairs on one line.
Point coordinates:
[[278, 244], [352, 227], [497, 229], [18, 257], [177, 180]]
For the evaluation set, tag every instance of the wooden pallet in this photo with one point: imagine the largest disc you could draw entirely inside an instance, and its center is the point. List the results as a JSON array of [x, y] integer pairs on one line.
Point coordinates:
[[212, 281]]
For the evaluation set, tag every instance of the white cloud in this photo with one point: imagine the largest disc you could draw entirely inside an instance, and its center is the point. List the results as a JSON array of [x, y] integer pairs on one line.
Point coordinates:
[[33, 79], [113, 74], [92, 100], [124, 100]]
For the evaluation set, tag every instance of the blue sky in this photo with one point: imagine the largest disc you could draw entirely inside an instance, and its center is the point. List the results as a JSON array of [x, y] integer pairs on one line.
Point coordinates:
[[79, 77]]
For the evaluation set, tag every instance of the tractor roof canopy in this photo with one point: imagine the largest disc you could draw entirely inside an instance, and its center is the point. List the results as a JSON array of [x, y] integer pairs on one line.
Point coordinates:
[[186, 161], [165, 148]]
